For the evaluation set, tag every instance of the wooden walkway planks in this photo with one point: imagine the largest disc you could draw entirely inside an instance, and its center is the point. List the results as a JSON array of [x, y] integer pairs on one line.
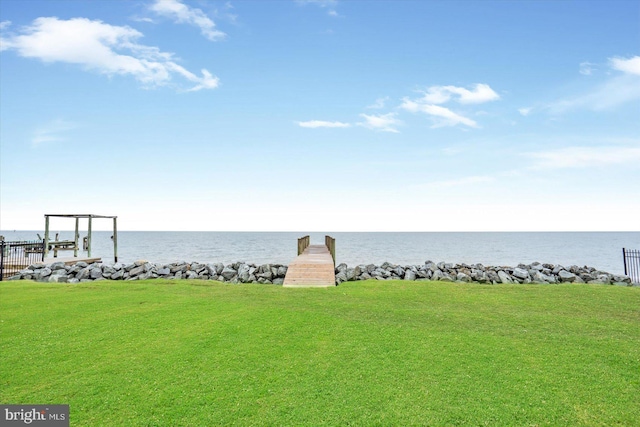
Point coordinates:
[[313, 268]]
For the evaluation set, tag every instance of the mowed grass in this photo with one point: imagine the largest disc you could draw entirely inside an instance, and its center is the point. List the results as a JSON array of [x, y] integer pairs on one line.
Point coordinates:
[[192, 353]]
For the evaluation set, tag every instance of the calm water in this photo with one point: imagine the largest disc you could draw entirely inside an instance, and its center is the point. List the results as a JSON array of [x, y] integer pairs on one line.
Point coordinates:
[[600, 250]]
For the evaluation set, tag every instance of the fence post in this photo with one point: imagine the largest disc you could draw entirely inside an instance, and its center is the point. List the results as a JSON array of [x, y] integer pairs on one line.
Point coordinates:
[[624, 260], [2, 245]]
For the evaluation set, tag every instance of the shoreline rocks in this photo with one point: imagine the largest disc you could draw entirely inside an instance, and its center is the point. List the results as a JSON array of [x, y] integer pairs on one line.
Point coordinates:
[[477, 273], [240, 272]]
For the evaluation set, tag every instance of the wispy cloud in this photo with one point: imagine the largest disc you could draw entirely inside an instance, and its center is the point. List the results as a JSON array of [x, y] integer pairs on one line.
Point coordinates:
[[585, 157], [479, 94], [53, 131], [614, 92], [323, 124], [329, 4], [183, 14], [381, 122], [142, 19], [379, 103], [432, 98], [441, 116], [107, 49], [525, 111], [586, 68]]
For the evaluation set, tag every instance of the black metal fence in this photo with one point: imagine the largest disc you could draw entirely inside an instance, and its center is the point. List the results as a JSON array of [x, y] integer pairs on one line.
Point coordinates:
[[16, 256], [632, 264]]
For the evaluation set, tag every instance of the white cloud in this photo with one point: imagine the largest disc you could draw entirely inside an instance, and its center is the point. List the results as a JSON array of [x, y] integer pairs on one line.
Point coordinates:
[[379, 103], [441, 116], [441, 94], [382, 122], [184, 14], [142, 19], [525, 111], [53, 131], [586, 68], [629, 66], [105, 48], [583, 157], [322, 124]]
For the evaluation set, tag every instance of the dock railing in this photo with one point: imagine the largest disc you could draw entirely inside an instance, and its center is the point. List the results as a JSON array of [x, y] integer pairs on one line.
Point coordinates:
[[16, 256], [303, 243], [330, 242], [631, 258]]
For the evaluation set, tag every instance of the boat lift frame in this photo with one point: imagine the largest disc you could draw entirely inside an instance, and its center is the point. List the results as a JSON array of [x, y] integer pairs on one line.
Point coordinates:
[[73, 244]]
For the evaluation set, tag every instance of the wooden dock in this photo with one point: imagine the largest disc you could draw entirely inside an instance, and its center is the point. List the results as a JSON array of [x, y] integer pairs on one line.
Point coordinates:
[[314, 267]]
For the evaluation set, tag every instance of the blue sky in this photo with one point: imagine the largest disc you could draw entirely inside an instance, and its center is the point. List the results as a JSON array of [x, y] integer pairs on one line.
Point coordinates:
[[322, 115]]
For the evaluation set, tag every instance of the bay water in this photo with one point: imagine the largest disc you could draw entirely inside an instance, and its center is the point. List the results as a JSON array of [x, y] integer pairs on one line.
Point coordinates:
[[602, 250]]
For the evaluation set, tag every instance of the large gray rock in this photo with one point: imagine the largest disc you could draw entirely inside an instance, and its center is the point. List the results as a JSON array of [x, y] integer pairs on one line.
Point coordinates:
[[520, 273], [95, 273], [504, 277], [57, 266], [400, 272], [282, 271], [197, 267], [45, 272], [83, 274], [621, 279], [462, 277], [409, 275], [566, 276], [244, 274], [136, 271], [178, 267], [117, 275], [267, 275], [229, 273], [164, 271], [479, 276]]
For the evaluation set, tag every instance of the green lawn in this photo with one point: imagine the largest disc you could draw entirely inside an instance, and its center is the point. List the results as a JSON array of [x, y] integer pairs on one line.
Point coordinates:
[[193, 353]]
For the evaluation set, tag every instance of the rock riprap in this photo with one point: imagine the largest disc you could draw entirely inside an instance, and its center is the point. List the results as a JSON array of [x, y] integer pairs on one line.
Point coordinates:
[[241, 272], [478, 273], [238, 272]]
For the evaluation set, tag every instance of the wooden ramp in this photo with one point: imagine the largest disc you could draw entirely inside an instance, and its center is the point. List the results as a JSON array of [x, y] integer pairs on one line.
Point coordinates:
[[313, 268]]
